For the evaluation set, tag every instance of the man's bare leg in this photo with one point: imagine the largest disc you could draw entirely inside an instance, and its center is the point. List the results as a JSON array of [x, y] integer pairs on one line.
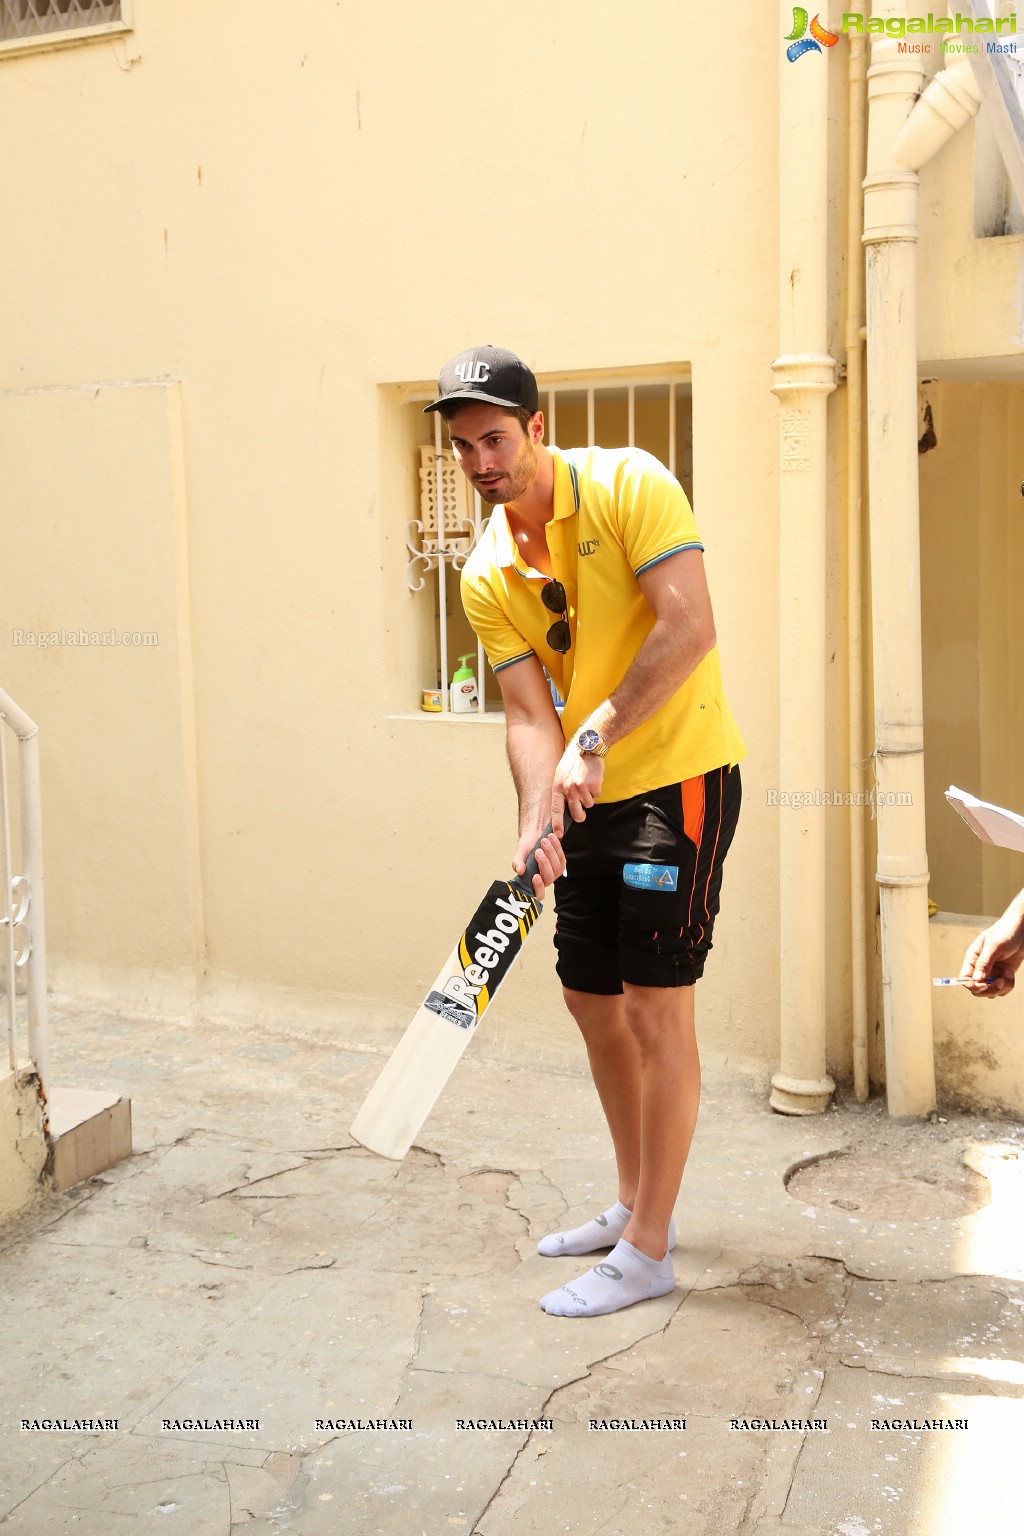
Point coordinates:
[[661, 1021], [615, 1068], [648, 1079]]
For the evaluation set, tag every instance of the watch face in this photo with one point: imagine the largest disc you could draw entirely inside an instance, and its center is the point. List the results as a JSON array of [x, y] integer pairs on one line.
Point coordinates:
[[589, 740]]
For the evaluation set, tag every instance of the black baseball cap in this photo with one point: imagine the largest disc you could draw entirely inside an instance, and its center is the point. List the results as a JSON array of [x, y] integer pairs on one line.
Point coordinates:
[[490, 374]]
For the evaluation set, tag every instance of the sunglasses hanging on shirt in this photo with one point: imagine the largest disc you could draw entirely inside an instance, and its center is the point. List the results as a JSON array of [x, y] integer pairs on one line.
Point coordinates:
[[559, 636]]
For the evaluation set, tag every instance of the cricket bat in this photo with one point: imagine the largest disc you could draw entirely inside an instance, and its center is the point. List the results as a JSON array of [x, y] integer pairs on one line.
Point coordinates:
[[427, 1054]]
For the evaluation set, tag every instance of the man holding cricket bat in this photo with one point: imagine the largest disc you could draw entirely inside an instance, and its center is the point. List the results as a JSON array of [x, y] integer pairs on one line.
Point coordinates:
[[591, 570]]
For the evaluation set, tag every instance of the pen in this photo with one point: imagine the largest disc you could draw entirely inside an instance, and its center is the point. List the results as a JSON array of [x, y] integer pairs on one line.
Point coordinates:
[[960, 981]]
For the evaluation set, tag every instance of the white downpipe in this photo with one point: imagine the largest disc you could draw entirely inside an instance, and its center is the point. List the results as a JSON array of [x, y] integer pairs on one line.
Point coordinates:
[[805, 377], [950, 102], [901, 137], [32, 859], [854, 533]]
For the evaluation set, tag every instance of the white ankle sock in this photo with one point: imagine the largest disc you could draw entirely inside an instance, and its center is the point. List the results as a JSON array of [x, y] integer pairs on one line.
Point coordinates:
[[625, 1277], [601, 1231]]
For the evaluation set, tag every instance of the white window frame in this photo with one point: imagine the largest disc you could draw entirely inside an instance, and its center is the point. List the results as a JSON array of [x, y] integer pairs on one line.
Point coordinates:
[[69, 37], [442, 568]]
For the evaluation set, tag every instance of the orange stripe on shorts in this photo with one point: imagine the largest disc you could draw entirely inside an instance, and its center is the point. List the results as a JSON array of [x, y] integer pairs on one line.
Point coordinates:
[[693, 808], [714, 850], [692, 791]]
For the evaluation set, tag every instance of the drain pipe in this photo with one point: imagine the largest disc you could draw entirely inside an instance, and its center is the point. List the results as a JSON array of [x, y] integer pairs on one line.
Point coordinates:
[[857, 117], [902, 136], [805, 376]]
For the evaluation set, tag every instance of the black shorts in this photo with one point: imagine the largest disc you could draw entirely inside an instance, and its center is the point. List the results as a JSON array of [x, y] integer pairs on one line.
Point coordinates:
[[641, 890]]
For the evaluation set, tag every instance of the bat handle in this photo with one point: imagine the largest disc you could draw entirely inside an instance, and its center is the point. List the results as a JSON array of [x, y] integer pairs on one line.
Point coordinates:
[[525, 880]]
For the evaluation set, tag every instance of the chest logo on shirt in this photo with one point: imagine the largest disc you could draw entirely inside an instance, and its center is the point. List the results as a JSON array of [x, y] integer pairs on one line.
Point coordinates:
[[588, 546]]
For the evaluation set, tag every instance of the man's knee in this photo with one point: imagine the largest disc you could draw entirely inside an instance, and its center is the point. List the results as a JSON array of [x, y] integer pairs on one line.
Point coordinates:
[[594, 1011], [659, 1016]]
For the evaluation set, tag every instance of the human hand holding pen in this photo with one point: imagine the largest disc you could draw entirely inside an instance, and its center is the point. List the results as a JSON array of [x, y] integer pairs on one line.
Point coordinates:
[[991, 962]]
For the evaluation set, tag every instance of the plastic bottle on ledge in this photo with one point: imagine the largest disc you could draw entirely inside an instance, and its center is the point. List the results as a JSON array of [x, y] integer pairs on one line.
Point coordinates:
[[464, 694]]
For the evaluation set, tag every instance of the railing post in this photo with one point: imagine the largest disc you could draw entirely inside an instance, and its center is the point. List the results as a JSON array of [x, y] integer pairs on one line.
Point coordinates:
[[34, 916]]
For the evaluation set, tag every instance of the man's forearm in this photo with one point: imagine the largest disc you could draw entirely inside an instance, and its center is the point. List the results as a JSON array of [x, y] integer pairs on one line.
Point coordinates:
[[534, 749], [662, 664]]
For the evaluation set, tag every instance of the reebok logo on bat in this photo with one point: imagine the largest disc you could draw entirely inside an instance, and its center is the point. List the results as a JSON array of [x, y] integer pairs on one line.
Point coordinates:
[[491, 946], [487, 952], [517, 905]]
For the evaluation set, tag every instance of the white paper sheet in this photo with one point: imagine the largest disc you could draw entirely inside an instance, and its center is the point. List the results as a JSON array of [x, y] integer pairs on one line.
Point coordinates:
[[993, 824]]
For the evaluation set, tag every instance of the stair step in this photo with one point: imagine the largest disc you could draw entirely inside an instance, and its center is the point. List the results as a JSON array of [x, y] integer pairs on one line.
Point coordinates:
[[89, 1131]]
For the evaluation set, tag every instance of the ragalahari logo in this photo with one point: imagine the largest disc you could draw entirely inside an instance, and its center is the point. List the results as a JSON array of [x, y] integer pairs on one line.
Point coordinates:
[[800, 43]]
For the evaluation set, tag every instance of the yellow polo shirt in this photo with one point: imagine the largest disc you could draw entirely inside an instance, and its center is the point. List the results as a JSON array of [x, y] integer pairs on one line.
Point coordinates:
[[617, 512]]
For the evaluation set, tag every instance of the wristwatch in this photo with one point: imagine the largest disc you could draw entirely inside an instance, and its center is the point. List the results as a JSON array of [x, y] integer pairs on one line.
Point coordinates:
[[590, 744]]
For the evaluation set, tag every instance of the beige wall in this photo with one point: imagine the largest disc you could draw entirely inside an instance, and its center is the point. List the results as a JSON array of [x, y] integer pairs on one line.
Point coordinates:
[[978, 1059], [286, 220], [244, 238], [972, 578], [971, 340], [96, 555]]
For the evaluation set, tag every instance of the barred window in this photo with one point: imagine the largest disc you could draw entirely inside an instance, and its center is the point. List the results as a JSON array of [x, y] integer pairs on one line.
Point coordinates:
[[28, 22]]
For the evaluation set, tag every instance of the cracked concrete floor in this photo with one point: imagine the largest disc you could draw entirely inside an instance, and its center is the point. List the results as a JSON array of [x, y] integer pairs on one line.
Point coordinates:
[[250, 1263]]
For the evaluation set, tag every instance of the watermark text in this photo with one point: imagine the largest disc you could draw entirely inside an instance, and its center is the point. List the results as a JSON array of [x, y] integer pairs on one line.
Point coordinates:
[[797, 799], [47, 639]]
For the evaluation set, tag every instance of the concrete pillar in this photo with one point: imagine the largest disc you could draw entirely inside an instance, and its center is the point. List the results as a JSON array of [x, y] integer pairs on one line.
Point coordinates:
[[890, 236], [805, 376], [905, 129]]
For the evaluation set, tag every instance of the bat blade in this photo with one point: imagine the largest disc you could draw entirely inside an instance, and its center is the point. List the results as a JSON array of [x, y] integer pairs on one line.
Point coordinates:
[[427, 1054]]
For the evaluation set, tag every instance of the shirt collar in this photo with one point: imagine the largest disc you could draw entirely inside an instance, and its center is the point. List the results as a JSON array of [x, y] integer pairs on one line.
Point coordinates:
[[505, 549], [567, 486], [566, 496]]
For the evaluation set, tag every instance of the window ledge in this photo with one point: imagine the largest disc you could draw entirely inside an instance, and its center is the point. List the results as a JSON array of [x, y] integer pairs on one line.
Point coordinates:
[[48, 42], [489, 717]]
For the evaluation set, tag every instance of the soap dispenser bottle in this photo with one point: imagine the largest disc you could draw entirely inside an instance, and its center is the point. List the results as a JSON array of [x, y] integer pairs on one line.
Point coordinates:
[[464, 695]]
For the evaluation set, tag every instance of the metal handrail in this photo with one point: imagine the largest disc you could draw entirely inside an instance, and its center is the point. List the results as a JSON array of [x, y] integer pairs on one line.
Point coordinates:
[[22, 905]]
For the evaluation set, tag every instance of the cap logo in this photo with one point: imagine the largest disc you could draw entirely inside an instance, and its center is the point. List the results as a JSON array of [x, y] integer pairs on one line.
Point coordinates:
[[473, 373]]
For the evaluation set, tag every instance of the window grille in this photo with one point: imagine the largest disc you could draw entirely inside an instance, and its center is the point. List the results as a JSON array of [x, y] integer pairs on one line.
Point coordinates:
[[28, 20], [648, 410]]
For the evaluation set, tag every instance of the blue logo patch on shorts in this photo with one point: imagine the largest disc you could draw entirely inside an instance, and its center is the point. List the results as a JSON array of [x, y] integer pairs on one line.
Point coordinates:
[[651, 877]]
